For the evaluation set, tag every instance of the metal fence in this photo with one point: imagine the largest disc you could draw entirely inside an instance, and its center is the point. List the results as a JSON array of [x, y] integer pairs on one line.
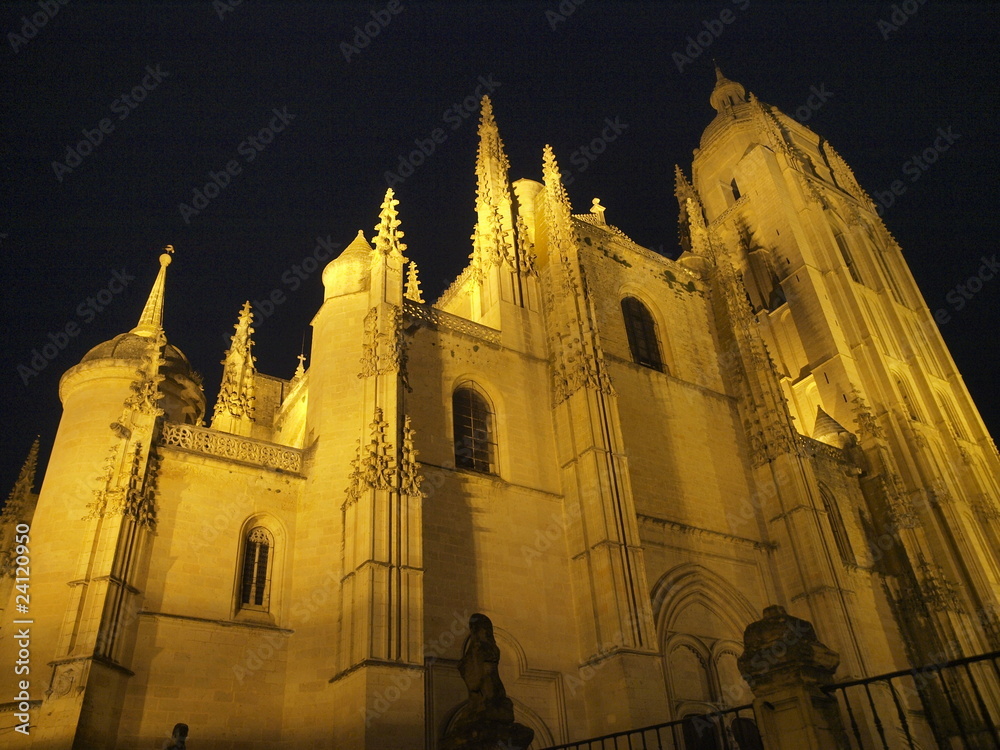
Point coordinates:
[[955, 704], [728, 729]]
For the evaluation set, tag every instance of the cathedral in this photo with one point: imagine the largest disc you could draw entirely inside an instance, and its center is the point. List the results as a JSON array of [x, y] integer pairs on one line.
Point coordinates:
[[619, 458]]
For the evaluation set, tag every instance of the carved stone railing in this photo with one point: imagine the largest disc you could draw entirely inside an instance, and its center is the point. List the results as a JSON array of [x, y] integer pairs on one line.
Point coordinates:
[[814, 447], [431, 316], [221, 444]]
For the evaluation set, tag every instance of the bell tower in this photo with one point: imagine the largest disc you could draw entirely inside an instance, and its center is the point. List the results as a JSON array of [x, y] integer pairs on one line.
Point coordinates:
[[852, 341]]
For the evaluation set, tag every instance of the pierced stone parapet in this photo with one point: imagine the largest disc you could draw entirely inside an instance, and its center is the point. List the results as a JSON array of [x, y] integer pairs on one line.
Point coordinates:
[[223, 445], [431, 316]]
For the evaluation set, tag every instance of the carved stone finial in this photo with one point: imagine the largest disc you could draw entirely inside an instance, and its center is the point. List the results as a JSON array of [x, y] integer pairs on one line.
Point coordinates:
[[412, 284], [388, 236], [598, 210], [486, 721], [236, 396]]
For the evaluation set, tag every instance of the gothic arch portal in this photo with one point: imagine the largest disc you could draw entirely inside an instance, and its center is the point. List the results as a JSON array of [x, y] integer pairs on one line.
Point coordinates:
[[700, 619]]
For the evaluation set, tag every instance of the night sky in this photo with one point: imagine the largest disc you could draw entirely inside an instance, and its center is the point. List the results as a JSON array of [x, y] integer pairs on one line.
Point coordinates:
[[173, 93]]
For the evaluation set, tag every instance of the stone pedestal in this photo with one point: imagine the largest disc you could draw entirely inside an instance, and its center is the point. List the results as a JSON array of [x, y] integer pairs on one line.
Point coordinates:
[[786, 665]]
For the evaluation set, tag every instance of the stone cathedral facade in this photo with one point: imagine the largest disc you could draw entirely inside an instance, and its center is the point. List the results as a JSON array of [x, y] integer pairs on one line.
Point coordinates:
[[620, 458]]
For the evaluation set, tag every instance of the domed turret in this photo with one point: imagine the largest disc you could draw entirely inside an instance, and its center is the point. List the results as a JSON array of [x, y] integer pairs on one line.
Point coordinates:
[[726, 93], [730, 100], [349, 271], [121, 356]]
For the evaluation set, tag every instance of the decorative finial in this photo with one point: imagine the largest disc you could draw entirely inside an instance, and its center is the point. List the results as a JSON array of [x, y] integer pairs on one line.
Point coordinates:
[[236, 395], [300, 369], [387, 232], [413, 284], [598, 210]]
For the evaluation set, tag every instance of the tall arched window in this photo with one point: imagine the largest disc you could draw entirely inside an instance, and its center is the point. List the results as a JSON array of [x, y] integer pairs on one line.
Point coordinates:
[[836, 521], [475, 441], [904, 392], [641, 332], [255, 580], [949, 415]]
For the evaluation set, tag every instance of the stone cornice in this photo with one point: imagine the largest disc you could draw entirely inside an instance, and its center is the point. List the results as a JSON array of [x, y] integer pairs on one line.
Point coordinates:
[[688, 529]]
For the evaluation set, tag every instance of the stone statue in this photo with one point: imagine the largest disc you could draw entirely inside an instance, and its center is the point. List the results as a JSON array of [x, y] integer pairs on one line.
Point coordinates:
[[486, 721]]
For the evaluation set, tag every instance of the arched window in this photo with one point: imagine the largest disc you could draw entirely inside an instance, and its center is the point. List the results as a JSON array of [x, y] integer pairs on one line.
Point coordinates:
[[475, 440], [255, 580], [904, 392], [641, 332], [836, 521], [949, 415]]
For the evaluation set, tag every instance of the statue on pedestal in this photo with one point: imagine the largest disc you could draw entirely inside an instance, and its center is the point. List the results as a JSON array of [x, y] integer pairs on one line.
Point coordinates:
[[486, 721]]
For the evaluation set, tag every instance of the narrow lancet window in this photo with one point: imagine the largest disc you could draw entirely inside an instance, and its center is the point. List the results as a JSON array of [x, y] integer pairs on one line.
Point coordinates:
[[475, 444], [256, 579], [641, 332]]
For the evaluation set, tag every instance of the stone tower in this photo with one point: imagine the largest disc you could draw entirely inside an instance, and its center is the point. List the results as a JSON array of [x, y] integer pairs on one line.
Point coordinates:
[[852, 343]]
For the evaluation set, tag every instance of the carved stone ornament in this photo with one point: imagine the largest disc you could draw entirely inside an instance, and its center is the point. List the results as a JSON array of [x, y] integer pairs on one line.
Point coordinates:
[[863, 417], [374, 466], [383, 347], [64, 679]]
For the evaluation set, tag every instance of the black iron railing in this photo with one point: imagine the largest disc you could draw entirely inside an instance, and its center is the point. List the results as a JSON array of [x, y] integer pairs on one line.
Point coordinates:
[[728, 729], [957, 702]]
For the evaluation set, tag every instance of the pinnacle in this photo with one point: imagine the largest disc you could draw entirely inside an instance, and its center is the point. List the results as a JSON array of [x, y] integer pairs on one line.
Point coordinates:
[[151, 320], [388, 235]]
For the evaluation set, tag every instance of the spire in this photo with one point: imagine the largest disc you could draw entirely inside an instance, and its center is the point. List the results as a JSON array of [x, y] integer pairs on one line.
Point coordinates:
[[413, 284], [491, 161], [19, 496], [388, 236], [151, 320], [552, 177], [236, 396], [726, 93], [682, 187], [493, 241]]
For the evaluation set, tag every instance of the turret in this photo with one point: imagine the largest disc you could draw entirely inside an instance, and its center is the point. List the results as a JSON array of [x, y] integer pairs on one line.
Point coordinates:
[[97, 513]]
